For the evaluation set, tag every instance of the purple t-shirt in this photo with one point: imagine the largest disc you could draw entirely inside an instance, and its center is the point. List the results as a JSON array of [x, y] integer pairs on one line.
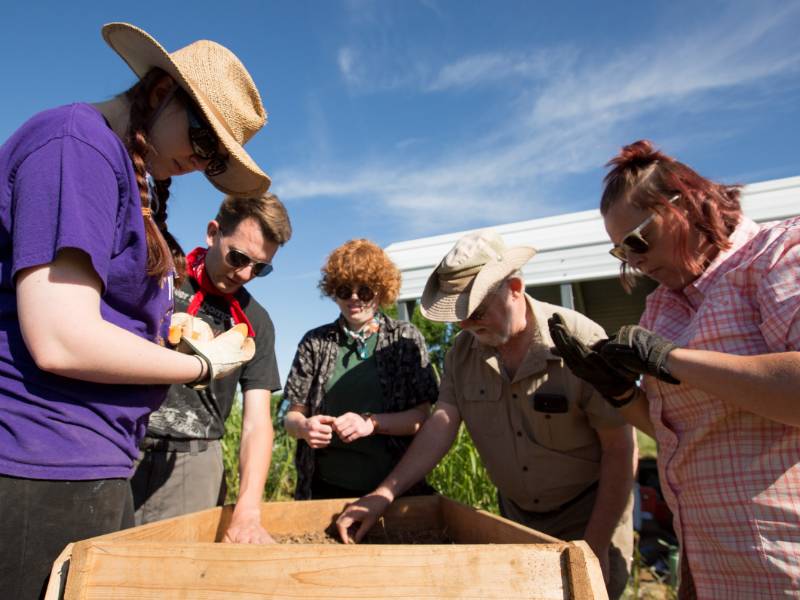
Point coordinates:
[[66, 181]]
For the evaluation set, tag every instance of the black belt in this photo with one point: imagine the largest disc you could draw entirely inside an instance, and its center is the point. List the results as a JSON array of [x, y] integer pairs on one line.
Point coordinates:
[[167, 445], [568, 503]]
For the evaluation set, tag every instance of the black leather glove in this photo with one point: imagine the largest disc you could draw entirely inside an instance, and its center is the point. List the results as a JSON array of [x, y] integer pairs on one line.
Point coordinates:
[[587, 363], [639, 350]]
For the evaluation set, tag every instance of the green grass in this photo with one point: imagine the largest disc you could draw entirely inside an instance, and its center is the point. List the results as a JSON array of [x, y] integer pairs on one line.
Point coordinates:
[[460, 475], [647, 445], [282, 474]]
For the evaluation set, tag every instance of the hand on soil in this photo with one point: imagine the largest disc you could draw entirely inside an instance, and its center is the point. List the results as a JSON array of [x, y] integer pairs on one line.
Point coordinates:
[[318, 430], [352, 426], [361, 515], [246, 528]]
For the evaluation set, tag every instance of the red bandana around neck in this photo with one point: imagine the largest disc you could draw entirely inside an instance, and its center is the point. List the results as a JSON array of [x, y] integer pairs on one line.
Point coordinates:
[[196, 269]]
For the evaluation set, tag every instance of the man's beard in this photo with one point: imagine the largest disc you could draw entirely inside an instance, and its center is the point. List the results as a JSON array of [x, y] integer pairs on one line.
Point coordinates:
[[492, 339]]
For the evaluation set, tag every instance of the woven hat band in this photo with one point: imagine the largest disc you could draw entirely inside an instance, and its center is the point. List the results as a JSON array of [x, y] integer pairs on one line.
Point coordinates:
[[457, 282]]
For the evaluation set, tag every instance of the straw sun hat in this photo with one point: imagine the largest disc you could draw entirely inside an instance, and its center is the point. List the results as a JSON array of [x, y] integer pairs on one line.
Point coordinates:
[[220, 86], [468, 274]]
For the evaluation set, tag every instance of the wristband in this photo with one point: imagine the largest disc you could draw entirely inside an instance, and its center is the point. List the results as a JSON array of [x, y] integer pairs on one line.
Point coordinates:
[[624, 401], [368, 416], [200, 381]]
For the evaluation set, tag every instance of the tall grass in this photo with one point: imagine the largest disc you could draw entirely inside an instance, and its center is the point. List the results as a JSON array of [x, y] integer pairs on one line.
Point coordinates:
[[461, 474]]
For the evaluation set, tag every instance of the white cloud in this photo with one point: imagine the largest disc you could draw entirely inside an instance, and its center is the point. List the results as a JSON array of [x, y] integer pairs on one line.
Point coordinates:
[[672, 70], [346, 59], [577, 106], [480, 69]]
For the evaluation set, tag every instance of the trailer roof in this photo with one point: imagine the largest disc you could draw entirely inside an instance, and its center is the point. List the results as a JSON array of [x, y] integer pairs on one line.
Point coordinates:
[[572, 246]]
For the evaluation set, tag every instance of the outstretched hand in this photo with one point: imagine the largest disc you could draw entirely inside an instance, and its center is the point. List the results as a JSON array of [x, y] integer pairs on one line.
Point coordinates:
[[587, 362], [361, 515]]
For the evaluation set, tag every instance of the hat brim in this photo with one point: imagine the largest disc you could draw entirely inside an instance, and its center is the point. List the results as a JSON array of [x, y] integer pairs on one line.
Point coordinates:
[[437, 305], [142, 52]]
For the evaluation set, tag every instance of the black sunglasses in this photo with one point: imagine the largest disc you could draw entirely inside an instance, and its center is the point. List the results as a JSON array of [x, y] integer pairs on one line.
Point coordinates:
[[634, 242], [205, 142], [240, 260], [364, 293]]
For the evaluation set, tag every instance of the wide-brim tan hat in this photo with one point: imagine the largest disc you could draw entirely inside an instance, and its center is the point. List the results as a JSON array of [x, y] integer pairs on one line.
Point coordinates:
[[220, 86], [472, 270]]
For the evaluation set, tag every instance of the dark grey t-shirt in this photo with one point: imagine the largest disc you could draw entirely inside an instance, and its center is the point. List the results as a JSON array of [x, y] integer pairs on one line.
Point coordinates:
[[189, 414]]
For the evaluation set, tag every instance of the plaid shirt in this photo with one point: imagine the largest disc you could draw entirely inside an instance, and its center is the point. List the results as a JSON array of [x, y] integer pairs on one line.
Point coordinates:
[[732, 478]]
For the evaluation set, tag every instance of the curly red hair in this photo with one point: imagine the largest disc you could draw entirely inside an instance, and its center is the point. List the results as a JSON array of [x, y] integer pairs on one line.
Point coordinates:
[[648, 178], [361, 262]]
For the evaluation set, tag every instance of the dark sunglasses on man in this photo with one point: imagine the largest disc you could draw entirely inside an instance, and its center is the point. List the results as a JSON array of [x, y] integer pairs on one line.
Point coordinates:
[[205, 143], [240, 260], [364, 293], [634, 242]]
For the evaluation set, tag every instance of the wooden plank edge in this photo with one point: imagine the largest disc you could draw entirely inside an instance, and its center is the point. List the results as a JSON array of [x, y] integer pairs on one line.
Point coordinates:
[[583, 573], [80, 569], [453, 509], [58, 575]]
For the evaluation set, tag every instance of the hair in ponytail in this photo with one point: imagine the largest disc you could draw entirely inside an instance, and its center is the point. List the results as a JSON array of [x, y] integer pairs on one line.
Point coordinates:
[[163, 251], [647, 178]]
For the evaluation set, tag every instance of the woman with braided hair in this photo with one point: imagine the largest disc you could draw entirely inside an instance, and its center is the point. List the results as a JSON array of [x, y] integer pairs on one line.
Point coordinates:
[[718, 348], [85, 287]]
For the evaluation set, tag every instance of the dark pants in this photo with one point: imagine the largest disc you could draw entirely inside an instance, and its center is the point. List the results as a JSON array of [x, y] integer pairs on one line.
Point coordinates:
[[322, 490], [39, 518]]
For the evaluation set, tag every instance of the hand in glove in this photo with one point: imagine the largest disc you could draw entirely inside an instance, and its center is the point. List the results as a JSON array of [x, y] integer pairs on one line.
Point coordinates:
[[184, 325], [639, 350], [224, 353], [587, 363]]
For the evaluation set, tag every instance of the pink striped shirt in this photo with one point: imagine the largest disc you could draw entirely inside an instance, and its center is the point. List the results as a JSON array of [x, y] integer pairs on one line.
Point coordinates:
[[732, 478]]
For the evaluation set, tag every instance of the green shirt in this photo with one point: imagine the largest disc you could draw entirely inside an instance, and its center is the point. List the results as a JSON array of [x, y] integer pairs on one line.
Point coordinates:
[[354, 387]]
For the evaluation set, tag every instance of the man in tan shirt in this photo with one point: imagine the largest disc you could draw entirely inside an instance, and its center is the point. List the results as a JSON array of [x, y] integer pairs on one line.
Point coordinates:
[[563, 461]]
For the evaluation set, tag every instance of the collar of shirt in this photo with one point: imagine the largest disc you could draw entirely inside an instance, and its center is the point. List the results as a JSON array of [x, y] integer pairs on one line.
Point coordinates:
[[695, 292]]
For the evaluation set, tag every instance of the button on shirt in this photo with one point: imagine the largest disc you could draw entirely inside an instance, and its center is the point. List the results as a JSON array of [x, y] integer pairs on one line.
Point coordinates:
[[535, 433], [732, 478]]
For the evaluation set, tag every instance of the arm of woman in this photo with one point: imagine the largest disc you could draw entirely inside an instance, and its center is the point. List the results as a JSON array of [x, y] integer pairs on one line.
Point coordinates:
[[59, 315], [637, 413], [352, 426], [316, 430], [765, 384]]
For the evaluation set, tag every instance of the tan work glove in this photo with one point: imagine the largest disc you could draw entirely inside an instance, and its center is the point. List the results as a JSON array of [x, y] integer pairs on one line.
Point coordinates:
[[184, 325], [222, 354]]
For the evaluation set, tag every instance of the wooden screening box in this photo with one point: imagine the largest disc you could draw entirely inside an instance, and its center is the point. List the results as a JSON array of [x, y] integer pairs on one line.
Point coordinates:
[[491, 557]]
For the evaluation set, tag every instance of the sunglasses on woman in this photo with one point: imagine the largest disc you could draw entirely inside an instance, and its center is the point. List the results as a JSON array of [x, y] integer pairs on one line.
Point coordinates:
[[205, 143], [634, 242], [364, 293], [240, 260]]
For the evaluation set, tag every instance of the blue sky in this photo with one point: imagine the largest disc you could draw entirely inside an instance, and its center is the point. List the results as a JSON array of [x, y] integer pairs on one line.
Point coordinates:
[[397, 119]]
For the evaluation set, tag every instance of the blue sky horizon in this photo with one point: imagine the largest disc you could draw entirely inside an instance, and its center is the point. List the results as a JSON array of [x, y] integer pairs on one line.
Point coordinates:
[[396, 119]]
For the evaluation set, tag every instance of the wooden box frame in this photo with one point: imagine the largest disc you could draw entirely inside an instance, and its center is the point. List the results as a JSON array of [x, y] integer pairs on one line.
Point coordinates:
[[180, 559]]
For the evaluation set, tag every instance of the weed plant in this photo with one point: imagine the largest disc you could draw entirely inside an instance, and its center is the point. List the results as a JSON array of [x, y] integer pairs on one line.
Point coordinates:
[[460, 475]]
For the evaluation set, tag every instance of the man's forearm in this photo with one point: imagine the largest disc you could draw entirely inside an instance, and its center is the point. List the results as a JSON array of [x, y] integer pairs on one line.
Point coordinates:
[[255, 451], [407, 422], [617, 469], [428, 448]]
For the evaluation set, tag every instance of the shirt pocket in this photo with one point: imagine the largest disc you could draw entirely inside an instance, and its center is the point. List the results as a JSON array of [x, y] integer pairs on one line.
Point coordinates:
[[483, 411], [556, 422]]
